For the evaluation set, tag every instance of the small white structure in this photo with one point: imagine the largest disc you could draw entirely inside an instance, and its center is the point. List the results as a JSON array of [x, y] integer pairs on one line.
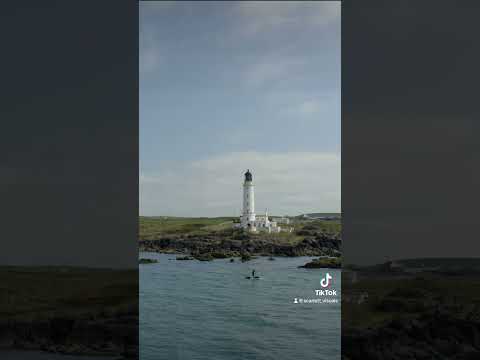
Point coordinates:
[[282, 220], [248, 219]]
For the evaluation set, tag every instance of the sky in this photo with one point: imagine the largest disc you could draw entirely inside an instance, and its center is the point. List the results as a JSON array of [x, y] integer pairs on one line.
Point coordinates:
[[231, 86]]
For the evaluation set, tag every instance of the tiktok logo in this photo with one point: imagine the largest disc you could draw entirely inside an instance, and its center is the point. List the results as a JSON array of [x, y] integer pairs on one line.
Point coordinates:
[[325, 282]]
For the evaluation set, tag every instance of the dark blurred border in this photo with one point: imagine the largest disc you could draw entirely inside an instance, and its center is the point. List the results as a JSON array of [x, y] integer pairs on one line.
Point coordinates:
[[69, 176], [410, 155]]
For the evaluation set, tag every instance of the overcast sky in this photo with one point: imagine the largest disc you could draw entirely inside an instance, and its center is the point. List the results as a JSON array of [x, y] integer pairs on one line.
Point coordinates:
[[226, 86]]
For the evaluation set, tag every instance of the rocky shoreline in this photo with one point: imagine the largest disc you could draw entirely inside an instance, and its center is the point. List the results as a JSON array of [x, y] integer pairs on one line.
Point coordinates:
[[147, 261], [239, 244], [322, 263]]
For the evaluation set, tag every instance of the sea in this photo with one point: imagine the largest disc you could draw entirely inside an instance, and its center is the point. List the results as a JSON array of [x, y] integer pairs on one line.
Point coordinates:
[[193, 310]]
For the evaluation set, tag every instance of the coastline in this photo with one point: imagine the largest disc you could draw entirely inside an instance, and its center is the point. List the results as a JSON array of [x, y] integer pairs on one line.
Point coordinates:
[[207, 239]]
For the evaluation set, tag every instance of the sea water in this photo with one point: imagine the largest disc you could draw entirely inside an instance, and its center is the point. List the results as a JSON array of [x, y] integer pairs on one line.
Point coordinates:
[[196, 310]]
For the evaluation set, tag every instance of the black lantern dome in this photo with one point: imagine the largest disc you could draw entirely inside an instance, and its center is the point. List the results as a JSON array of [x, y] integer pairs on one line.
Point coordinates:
[[248, 176]]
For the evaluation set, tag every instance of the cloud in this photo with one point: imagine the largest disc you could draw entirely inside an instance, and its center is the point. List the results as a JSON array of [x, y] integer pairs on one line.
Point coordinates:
[[286, 183], [301, 104], [322, 105], [150, 55], [329, 12], [310, 107], [150, 59], [268, 69], [262, 16]]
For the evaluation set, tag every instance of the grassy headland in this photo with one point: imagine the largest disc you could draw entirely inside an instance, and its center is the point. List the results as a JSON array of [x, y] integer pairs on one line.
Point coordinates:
[[154, 228], [207, 238]]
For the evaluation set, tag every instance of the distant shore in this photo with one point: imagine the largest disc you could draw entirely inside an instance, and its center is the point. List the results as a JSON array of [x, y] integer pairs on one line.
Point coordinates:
[[73, 311], [427, 305]]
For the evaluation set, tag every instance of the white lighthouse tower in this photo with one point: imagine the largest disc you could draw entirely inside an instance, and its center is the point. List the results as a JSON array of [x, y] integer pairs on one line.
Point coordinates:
[[248, 214], [248, 220]]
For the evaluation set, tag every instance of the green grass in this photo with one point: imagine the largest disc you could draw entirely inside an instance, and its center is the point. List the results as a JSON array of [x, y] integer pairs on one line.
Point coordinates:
[[334, 226], [284, 238], [326, 226], [323, 214], [152, 228]]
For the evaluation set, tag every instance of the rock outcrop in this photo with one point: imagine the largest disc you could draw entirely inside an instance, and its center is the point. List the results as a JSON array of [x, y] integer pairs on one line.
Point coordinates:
[[327, 262], [147, 261], [230, 244]]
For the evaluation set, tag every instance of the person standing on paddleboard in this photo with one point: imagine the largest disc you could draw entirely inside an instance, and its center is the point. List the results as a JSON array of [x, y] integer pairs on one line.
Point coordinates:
[[253, 273]]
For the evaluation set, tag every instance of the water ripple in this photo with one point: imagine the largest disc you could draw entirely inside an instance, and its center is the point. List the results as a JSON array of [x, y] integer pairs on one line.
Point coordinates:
[[207, 310]]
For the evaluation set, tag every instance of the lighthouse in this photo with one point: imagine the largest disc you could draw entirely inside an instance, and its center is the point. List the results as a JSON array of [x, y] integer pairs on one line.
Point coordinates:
[[248, 213], [248, 220]]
